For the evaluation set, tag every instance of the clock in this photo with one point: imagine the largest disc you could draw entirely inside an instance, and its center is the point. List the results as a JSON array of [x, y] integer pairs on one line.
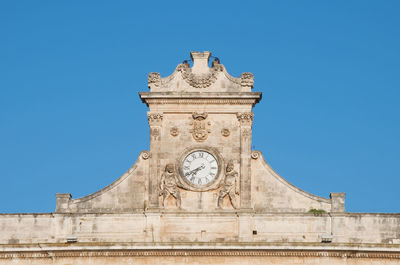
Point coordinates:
[[200, 168]]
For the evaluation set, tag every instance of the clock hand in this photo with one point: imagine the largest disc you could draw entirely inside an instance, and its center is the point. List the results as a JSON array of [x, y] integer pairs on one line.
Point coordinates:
[[194, 171]]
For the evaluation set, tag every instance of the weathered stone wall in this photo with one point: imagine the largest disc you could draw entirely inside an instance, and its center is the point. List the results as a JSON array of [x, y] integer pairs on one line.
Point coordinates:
[[128, 193], [131, 192], [171, 147], [272, 193], [208, 227]]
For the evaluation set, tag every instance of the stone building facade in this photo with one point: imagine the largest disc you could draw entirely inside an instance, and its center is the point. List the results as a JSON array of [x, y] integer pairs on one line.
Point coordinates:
[[200, 195]]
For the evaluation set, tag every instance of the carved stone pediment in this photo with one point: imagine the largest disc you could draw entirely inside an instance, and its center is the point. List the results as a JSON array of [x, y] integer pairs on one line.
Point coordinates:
[[201, 76]]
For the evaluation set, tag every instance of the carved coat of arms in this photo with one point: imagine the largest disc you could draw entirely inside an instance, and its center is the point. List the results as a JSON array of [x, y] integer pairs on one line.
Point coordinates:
[[200, 128]]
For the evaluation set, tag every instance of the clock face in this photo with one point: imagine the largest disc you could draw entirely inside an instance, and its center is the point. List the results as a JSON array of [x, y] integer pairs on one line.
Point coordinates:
[[200, 168]]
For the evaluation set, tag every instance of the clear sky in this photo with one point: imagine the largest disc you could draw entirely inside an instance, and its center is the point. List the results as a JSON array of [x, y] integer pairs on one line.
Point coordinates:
[[70, 71]]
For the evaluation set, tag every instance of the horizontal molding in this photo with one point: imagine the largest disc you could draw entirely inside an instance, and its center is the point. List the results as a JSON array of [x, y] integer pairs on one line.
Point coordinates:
[[198, 253], [203, 101]]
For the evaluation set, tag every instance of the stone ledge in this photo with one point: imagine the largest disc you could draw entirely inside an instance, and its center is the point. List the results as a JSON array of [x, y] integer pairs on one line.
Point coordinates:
[[200, 97], [187, 252]]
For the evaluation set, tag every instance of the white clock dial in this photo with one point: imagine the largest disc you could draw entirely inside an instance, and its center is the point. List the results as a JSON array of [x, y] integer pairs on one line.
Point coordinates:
[[200, 168]]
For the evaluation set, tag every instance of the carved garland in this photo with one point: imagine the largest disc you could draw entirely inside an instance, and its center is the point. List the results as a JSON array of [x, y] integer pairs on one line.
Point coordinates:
[[199, 81], [202, 81]]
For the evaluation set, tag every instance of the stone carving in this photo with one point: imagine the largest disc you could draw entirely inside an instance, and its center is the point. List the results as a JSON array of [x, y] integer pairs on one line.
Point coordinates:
[[155, 118], [247, 80], [245, 118], [225, 132], [246, 133], [169, 185], [199, 81], [200, 129], [255, 154], [174, 131], [230, 186], [155, 133], [154, 78], [146, 155]]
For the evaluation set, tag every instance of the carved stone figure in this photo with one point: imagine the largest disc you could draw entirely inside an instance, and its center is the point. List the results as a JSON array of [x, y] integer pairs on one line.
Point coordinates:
[[230, 186], [169, 185]]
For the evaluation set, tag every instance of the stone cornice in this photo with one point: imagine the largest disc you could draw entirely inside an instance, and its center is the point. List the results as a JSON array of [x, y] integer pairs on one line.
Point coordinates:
[[135, 212], [242, 98], [188, 252]]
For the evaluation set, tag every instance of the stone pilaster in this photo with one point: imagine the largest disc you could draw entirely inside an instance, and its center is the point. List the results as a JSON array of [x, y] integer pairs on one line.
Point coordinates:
[[155, 123], [246, 121]]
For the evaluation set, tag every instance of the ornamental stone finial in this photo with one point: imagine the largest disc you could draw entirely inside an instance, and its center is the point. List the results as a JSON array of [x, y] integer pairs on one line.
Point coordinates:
[[200, 62]]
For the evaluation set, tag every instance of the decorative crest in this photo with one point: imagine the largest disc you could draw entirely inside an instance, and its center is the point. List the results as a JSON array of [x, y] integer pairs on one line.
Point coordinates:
[[200, 129]]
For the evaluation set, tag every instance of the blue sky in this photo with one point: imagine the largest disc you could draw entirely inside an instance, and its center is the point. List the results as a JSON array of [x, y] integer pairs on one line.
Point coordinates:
[[70, 71]]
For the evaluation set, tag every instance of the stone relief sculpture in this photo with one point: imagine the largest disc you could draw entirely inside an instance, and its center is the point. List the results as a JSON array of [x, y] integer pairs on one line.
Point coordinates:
[[247, 80], [245, 118], [155, 118], [201, 81], [154, 78], [174, 131], [169, 185], [225, 132], [230, 186], [200, 129]]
